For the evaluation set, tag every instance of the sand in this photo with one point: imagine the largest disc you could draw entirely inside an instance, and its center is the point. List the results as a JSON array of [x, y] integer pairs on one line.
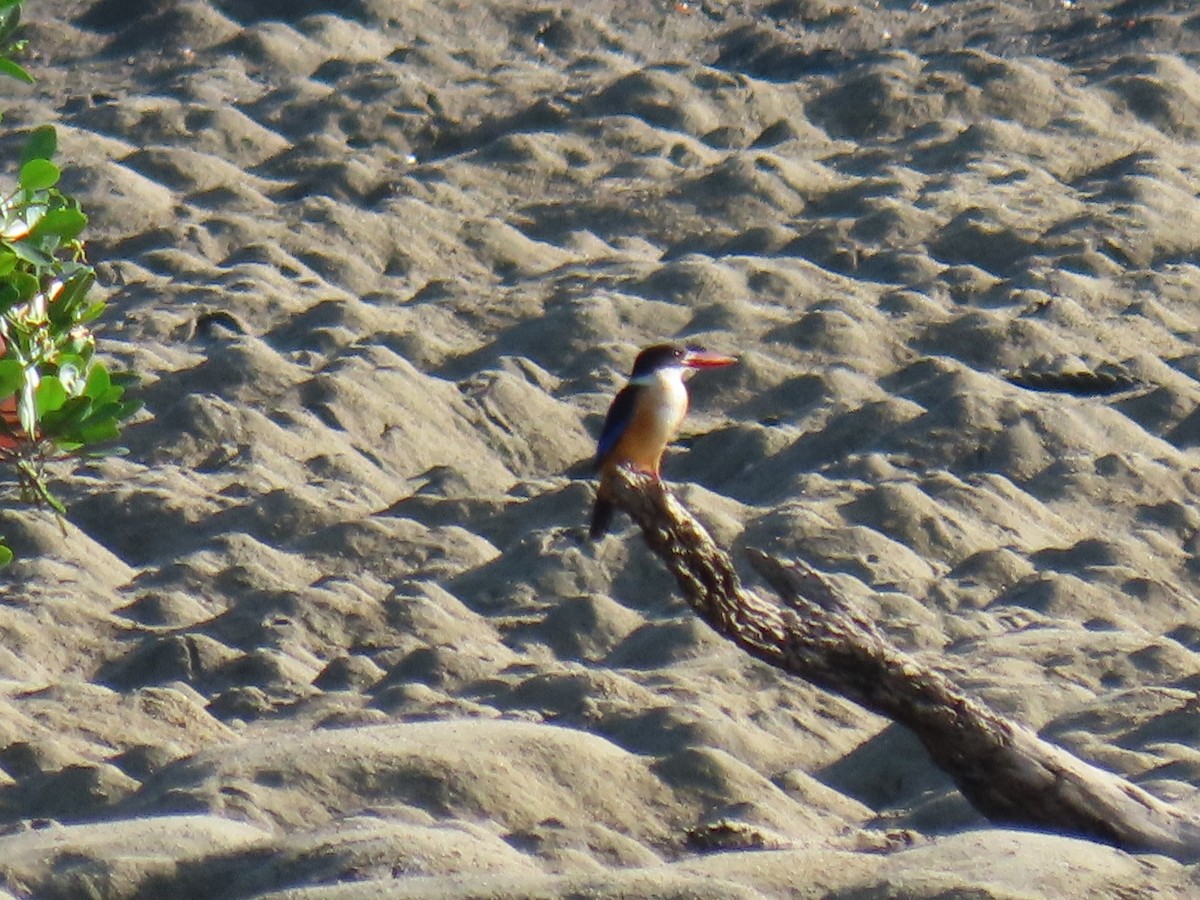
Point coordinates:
[[331, 629]]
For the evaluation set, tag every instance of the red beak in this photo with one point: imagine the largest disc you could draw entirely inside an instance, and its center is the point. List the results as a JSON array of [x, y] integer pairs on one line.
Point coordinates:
[[703, 359]]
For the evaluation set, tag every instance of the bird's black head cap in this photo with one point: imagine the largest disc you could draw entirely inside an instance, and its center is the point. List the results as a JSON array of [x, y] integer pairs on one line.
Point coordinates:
[[656, 357]]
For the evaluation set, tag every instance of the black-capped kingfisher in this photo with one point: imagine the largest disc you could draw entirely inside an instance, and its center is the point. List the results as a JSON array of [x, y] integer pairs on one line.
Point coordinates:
[[645, 416]]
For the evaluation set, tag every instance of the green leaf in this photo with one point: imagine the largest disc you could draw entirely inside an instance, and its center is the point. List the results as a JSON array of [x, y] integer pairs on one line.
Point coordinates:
[[127, 409], [113, 397], [8, 261], [31, 254], [12, 376], [93, 312], [60, 423], [41, 144], [64, 309], [39, 175], [97, 432], [104, 452], [25, 285], [98, 423], [6, 555], [98, 383], [11, 69], [110, 398], [10, 18], [65, 223], [50, 395], [75, 288], [113, 412]]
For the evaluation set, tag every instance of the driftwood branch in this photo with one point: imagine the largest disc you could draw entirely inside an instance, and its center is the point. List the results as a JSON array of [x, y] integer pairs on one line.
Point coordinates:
[[1009, 774]]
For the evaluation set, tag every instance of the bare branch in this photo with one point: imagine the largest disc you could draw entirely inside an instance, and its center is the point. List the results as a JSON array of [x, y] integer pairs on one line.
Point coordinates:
[[1003, 769]]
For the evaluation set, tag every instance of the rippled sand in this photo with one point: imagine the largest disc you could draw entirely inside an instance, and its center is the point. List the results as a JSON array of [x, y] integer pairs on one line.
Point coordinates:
[[330, 630]]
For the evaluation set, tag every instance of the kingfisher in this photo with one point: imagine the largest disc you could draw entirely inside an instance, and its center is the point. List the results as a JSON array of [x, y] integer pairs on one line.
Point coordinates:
[[645, 416]]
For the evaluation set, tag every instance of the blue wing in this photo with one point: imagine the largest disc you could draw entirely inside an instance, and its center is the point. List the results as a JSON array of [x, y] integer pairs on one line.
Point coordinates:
[[620, 414]]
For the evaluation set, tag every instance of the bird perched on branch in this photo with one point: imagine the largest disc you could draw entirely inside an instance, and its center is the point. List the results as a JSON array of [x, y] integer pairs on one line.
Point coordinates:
[[645, 416]]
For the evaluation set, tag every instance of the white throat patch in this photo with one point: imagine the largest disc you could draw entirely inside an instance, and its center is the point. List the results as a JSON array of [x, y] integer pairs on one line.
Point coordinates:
[[663, 377]]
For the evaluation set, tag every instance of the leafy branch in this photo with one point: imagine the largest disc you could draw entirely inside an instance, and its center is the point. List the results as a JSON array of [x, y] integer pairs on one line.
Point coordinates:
[[56, 399]]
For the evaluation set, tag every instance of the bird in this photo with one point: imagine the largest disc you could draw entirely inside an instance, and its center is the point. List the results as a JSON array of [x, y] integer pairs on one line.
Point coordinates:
[[645, 416]]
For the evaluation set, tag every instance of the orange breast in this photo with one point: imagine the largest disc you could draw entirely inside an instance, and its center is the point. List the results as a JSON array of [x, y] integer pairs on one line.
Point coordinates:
[[645, 440]]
